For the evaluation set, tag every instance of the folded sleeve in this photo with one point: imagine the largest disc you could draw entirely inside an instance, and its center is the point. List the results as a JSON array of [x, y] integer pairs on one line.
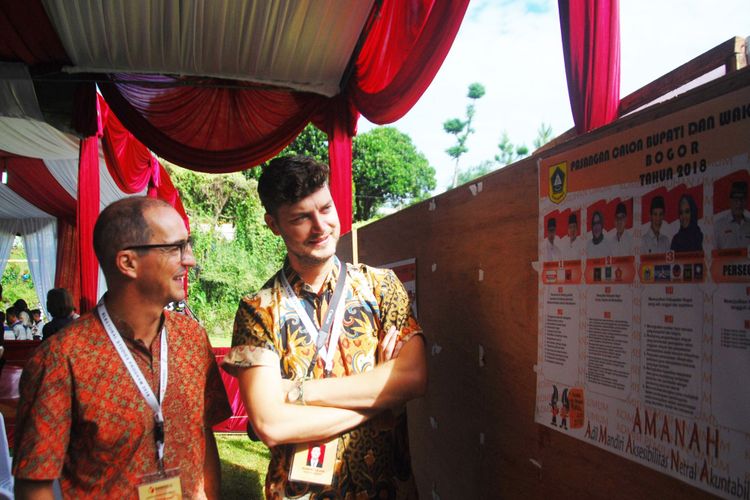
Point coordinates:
[[253, 341]]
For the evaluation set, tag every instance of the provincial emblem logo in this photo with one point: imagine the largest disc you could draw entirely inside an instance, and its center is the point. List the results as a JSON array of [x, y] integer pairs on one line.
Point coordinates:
[[558, 182]]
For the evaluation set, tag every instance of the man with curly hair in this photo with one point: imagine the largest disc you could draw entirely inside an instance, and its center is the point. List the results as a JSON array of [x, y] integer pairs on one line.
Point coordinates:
[[326, 352]]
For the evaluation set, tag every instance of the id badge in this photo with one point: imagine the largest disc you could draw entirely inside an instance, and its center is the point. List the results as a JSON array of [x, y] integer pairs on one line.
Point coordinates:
[[314, 462], [165, 486]]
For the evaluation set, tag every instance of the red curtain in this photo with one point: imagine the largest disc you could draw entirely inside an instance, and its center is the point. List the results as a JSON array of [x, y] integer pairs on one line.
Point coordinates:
[[339, 120], [238, 421], [131, 164], [210, 129], [591, 47], [30, 179], [88, 211], [26, 34], [67, 273], [161, 187], [406, 46]]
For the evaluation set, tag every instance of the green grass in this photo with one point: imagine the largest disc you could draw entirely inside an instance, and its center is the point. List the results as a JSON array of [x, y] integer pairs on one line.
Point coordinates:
[[243, 466], [220, 340]]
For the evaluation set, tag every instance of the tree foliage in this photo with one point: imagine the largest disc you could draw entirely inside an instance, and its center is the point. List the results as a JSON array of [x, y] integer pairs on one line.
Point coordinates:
[[228, 266], [472, 173], [462, 128], [311, 142], [543, 135], [387, 169], [509, 152]]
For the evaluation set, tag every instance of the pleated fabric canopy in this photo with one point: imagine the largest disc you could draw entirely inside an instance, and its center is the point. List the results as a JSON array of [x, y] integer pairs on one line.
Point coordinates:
[[216, 85]]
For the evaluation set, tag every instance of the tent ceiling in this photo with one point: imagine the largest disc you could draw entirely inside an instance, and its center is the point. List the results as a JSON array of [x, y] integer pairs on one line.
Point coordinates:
[[297, 44]]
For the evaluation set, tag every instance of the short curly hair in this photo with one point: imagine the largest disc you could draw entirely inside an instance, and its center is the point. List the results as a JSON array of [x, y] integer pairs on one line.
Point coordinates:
[[286, 180]]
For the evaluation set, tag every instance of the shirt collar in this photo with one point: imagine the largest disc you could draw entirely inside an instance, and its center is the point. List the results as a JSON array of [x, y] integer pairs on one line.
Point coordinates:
[[299, 286]]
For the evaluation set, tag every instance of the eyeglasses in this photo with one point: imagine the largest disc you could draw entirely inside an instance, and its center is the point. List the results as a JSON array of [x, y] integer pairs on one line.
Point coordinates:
[[182, 246]]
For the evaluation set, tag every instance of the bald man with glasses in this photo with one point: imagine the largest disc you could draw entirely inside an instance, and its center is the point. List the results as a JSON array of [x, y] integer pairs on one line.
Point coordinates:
[[122, 401]]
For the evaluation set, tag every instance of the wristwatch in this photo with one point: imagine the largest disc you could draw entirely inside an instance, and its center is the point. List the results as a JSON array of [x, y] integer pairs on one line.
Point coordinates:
[[297, 395]]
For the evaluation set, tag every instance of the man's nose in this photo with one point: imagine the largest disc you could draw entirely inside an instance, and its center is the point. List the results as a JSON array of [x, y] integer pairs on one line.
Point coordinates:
[[188, 258], [318, 222]]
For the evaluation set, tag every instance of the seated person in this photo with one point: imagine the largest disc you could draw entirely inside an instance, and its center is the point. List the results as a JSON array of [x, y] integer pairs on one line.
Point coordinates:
[[7, 330], [60, 307], [36, 324], [19, 330], [22, 310]]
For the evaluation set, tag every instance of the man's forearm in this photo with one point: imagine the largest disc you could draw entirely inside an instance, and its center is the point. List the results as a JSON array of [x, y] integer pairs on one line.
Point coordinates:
[[278, 422], [388, 385]]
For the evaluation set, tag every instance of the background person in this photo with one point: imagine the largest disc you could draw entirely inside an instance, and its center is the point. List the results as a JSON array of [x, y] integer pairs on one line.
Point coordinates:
[[551, 251], [621, 242], [689, 238], [597, 246], [653, 240], [20, 332], [60, 307], [36, 324], [573, 248], [733, 230]]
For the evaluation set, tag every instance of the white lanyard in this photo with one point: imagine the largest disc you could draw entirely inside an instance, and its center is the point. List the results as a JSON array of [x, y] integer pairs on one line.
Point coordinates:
[[139, 379], [332, 320]]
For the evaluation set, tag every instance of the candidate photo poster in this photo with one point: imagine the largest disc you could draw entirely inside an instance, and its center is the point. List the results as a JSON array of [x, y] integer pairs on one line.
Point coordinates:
[[644, 294]]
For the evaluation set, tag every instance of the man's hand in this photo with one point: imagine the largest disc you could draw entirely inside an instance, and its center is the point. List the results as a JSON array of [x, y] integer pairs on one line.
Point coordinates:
[[286, 386], [389, 346]]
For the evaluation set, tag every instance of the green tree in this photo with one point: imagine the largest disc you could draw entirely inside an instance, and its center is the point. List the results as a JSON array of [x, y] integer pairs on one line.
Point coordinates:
[[228, 265], [543, 135], [462, 128], [509, 152], [311, 142], [472, 173], [387, 168]]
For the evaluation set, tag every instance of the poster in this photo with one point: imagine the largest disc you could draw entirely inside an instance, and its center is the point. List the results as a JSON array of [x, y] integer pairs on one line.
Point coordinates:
[[644, 294]]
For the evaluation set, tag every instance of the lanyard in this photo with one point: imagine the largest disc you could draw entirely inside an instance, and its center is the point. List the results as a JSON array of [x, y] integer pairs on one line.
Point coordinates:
[[331, 326], [139, 379]]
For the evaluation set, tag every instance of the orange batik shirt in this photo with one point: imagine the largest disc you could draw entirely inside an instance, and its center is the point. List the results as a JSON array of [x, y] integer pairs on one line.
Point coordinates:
[[373, 458], [81, 417]]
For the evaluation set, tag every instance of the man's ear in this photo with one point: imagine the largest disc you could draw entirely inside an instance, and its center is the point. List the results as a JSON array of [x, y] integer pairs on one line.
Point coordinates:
[[271, 223], [126, 263]]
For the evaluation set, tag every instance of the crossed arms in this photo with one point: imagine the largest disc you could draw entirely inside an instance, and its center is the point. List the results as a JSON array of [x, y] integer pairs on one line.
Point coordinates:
[[333, 405]]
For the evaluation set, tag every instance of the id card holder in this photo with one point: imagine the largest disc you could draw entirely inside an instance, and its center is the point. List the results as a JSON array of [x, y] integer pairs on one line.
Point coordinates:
[[314, 462], [157, 486]]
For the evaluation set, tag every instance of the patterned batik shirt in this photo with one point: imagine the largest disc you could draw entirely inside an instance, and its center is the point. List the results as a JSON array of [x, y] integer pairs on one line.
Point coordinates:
[[373, 459], [81, 417]]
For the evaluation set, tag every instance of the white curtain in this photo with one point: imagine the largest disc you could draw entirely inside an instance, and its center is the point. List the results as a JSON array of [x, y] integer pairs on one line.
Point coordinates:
[[13, 206], [17, 95], [40, 242], [221, 38], [65, 173], [7, 234]]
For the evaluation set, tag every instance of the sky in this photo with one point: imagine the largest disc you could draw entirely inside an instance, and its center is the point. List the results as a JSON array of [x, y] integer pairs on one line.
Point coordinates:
[[513, 48]]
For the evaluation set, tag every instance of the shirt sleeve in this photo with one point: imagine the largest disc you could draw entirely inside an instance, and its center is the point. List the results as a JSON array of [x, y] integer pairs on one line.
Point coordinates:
[[44, 415], [395, 306], [252, 338]]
